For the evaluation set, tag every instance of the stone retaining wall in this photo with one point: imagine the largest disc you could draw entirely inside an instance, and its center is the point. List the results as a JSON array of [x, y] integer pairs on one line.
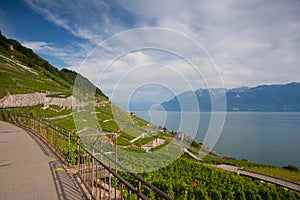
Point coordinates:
[[32, 99]]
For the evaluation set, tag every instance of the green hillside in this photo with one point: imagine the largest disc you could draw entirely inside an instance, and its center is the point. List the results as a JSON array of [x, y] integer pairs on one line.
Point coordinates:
[[24, 72]]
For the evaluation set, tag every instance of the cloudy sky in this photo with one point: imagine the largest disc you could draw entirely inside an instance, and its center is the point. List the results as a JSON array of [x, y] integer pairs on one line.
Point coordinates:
[[190, 44]]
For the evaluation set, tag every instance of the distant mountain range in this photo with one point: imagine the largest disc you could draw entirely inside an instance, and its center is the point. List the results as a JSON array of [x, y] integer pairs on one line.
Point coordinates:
[[284, 97]]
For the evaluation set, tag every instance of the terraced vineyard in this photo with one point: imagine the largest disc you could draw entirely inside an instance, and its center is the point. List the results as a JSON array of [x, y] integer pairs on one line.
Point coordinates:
[[142, 146], [16, 78], [277, 172], [190, 179]]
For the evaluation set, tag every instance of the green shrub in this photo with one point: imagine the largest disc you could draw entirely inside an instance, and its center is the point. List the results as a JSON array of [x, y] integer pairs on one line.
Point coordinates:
[[291, 168]]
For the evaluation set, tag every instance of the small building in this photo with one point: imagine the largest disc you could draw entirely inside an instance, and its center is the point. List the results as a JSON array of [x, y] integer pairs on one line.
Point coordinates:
[[180, 135], [152, 144]]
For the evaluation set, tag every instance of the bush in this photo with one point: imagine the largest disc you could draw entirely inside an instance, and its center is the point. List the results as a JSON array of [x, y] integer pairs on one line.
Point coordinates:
[[291, 168]]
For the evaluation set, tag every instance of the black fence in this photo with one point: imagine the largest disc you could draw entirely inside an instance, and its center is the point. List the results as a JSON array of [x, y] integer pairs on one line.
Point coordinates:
[[97, 171], [58, 138]]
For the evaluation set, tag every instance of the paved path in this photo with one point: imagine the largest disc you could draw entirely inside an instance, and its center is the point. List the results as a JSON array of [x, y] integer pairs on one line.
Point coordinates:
[[191, 154], [262, 177], [58, 117], [30, 170]]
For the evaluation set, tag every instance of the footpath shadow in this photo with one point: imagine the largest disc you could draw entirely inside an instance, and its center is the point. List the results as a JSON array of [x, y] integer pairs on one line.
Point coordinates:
[[44, 148], [66, 184]]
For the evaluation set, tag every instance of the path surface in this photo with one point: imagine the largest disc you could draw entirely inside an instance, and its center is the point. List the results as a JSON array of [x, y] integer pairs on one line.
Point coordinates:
[[262, 177], [59, 116], [191, 154], [30, 170]]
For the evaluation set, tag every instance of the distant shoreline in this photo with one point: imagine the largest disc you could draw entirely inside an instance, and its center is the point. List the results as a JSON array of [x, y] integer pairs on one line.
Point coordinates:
[[231, 111], [246, 135]]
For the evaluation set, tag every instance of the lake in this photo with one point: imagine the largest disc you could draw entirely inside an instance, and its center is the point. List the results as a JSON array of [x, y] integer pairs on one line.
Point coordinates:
[[263, 137]]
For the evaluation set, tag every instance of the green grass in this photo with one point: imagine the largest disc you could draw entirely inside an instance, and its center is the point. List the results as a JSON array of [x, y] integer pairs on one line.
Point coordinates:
[[57, 107], [277, 172], [126, 135], [60, 95], [17, 80], [241, 163], [131, 131], [134, 149], [110, 126], [67, 123], [37, 75], [139, 121], [122, 142], [177, 181], [103, 116], [38, 111], [104, 109], [48, 113], [143, 141], [28, 110], [167, 142], [259, 168]]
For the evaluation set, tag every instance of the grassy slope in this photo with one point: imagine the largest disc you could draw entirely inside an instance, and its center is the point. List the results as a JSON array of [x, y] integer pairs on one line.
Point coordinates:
[[278, 172], [16, 79], [23, 72], [177, 180], [41, 75]]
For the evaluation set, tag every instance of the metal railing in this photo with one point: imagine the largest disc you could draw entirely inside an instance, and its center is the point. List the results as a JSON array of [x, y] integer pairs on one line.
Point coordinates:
[[97, 171], [58, 138], [101, 178]]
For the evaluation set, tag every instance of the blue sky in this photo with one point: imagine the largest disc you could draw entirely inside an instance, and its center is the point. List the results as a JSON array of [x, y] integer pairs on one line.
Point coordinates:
[[246, 42]]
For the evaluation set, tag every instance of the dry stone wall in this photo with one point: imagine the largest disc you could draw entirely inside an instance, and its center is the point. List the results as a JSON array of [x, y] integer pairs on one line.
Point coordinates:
[[21, 100]]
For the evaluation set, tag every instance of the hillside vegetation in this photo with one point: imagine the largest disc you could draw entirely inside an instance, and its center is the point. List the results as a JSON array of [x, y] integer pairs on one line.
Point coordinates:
[[189, 179], [23, 72]]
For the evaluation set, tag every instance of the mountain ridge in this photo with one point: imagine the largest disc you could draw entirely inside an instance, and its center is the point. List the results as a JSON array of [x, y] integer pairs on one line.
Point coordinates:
[[275, 97]]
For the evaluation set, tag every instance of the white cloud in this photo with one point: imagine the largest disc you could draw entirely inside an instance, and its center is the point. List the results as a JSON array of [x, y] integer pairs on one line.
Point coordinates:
[[92, 20], [73, 58], [37, 46], [46, 48], [138, 58], [252, 42], [137, 70]]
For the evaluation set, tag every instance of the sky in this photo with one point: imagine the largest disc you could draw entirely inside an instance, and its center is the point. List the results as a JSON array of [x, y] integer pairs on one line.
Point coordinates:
[[148, 51]]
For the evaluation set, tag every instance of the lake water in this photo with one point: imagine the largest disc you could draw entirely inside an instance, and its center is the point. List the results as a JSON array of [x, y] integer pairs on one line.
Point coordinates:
[[263, 137]]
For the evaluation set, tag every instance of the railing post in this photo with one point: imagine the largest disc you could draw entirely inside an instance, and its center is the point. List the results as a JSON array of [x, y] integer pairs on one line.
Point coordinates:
[[139, 189], [55, 138], [87, 169], [69, 146], [78, 155], [116, 151], [47, 132], [92, 178]]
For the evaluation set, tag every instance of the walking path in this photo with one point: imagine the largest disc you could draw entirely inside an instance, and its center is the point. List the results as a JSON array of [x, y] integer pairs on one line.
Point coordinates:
[[191, 154], [30, 170], [59, 116], [262, 177]]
